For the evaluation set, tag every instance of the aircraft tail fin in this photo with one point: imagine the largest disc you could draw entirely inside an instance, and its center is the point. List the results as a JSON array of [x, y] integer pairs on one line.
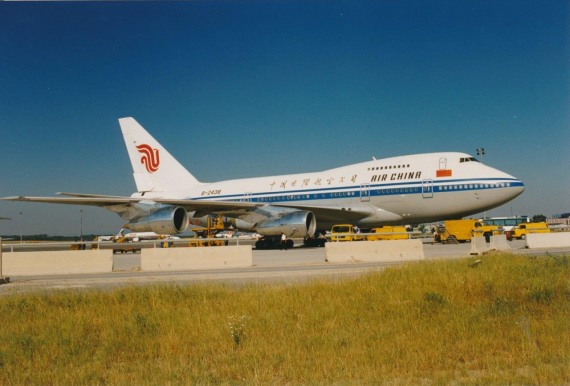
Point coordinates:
[[154, 168]]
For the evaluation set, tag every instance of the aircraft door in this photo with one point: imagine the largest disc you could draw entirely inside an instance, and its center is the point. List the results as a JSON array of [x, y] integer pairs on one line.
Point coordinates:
[[443, 163], [427, 188], [365, 192]]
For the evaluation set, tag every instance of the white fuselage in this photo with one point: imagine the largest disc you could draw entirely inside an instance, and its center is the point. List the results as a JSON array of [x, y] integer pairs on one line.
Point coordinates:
[[400, 190]]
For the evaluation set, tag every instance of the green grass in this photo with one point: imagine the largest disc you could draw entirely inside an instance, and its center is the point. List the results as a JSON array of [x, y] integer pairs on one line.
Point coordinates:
[[506, 321]]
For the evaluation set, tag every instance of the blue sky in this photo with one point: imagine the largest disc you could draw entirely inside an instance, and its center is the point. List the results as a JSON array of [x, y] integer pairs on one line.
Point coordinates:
[[250, 88]]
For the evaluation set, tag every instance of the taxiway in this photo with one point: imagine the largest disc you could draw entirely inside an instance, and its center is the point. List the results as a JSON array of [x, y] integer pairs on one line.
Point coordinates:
[[269, 266]]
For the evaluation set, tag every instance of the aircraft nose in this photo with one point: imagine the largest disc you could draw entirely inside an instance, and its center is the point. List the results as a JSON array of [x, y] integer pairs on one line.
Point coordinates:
[[517, 187]]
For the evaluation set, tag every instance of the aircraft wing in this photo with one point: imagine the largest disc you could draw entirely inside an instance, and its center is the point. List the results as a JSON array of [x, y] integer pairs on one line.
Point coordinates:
[[104, 200], [202, 207], [228, 208], [331, 214], [93, 200]]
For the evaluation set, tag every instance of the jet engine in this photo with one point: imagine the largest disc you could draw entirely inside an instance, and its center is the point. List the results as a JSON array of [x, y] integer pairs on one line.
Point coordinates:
[[294, 224], [167, 220]]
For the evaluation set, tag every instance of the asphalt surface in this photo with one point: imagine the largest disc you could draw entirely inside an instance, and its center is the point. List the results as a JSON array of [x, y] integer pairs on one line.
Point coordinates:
[[269, 266]]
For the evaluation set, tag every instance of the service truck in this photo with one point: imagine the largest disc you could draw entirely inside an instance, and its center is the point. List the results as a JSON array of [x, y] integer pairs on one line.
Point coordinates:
[[344, 232], [460, 231], [522, 229], [206, 236], [388, 232]]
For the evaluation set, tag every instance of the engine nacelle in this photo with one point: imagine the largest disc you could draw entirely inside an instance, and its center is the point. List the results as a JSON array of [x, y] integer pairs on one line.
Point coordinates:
[[294, 224], [167, 220]]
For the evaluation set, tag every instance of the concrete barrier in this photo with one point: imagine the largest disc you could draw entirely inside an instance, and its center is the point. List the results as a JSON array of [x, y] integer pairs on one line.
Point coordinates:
[[548, 240], [57, 262], [182, 259], [374, 251], [479, 246], [500, 243]]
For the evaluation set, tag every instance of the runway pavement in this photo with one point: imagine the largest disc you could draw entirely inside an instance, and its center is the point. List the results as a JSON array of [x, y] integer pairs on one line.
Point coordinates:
[[269, 266]]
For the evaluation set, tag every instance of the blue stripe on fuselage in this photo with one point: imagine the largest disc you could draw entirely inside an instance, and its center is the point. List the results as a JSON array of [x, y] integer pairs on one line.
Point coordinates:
[[374, 190]]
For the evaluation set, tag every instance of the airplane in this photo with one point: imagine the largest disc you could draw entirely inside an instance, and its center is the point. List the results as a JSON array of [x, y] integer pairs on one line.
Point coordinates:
[[124, 235], [409, 189]]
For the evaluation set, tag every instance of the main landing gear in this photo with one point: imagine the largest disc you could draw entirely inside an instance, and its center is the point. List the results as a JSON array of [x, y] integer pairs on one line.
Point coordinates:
[[273, 242]]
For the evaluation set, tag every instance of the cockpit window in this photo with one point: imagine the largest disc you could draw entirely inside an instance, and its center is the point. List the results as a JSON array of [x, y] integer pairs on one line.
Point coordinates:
[[468, 159]]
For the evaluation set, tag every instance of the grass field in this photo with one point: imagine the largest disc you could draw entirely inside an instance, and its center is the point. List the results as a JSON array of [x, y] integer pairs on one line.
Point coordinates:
[[503, 321]]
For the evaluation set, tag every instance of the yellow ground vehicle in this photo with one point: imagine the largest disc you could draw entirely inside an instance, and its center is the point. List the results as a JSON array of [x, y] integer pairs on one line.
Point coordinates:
[[128, 248], [344, 232], [521, 230], [459, 231], [388, 232], [205, 236], [131, 242], [485, 230]]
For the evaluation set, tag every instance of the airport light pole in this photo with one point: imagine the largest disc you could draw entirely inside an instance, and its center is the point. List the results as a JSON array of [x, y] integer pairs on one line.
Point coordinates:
[[481, 152], [21, 226]]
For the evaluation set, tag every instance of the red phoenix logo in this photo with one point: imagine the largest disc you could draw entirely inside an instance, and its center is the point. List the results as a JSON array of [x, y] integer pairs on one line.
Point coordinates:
[[149, 158]]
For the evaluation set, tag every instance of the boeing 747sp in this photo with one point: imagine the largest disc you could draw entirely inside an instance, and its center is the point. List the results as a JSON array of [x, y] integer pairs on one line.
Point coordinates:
[[407, 189]]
